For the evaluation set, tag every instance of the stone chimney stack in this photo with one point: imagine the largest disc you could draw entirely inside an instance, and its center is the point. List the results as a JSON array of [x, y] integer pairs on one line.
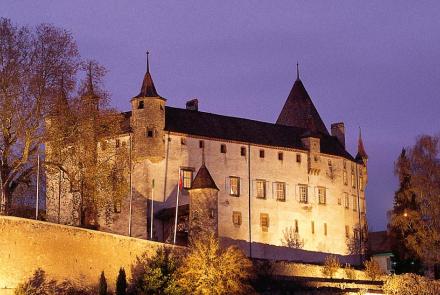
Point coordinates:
[[338, 130], [192, 105]]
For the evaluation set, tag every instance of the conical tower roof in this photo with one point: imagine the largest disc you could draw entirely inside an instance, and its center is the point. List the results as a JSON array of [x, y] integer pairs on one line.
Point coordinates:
[[361, 154], [299, 110], [203, 179], [148, 89]]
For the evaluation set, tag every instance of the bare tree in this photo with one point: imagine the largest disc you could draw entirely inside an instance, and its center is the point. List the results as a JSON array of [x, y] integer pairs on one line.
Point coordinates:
[[32, 64], [292, 239], [416, 214]]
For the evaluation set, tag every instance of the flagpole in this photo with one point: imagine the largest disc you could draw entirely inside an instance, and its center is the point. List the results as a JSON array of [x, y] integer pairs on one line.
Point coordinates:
[[38, 185], [152, 210], [177, 208], [131, 186]]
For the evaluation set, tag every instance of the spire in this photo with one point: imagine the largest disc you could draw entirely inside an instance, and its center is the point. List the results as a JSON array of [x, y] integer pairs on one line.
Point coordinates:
[[299, 110], [361, 154], [203, 179], [147, 88]]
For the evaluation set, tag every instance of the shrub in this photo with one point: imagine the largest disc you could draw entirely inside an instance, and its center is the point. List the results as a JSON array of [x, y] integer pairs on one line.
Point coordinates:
[[410, 284], [372, 269], [102, 285], [121, 282], [331, 266], [155, 274], [350, 273]]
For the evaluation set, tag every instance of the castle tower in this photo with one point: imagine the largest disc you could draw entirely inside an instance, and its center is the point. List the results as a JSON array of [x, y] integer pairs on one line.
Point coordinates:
[[148, 121], [361, 156], [203, 205]]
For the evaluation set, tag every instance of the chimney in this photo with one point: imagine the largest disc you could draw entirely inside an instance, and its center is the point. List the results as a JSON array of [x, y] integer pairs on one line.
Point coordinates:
[[192, 105], [338, 130]]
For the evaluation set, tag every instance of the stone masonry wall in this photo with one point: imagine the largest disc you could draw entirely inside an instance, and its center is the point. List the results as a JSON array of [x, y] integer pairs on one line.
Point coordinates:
[[64, 252]]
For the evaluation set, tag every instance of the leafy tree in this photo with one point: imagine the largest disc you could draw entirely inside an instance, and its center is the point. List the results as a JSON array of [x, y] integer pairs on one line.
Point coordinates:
[[331, 266], [121, 282], [416, 214], [372, 269], [33, 62], [208, 269], [292, 239], [102, 285], [155, 274], [410, 284]]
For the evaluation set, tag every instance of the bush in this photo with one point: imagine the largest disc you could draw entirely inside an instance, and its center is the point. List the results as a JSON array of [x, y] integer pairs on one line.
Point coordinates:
[[410, 284], [372, 269], [121, 282], [155, 274], [350, 273], [102, 285], [38, 284], [331, 266]]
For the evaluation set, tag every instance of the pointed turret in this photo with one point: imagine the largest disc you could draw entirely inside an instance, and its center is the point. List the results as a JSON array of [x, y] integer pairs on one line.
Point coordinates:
[[299, 110], [148, 89], [361, 156], [204, 179]]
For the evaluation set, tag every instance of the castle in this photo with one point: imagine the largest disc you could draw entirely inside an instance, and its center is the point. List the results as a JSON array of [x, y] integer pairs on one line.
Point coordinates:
[[254, 184]]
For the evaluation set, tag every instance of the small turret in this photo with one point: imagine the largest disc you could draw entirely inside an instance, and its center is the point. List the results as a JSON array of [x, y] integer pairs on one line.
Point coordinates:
[[148, 121], [203, 204], [361, 156]]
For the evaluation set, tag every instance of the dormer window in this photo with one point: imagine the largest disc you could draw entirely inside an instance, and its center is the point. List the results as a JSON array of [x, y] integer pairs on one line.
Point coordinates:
[[140, 105]]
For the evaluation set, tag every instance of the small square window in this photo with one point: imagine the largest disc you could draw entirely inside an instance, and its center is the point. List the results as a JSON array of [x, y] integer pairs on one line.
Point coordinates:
[[141, 104], [264, 221], [149, 133], [261, 188], [117, 206], [201, 144], [298, 158], [261, 153], [236, 218], [223, 148], [234, 186], [280, 156], [243, 151], [183, 141]]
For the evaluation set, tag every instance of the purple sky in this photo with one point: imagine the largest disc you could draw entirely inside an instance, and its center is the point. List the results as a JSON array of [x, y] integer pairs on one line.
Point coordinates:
[[374, 64]]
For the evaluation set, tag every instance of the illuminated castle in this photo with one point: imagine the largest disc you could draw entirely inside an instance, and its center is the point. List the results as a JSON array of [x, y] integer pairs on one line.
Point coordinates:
[[257, 183]]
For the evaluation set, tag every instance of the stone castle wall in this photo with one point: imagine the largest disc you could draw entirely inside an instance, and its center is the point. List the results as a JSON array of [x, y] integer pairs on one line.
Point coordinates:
[[64, 252]]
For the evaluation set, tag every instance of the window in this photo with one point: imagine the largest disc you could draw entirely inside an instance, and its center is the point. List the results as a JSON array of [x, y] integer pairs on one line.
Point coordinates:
[[236, 218], [339, 201], [234, 186], [362, 206], [187, 178], [330, 163], [296, 226], [344, 163], [223, 148], [303, 194], [347, 231], [117, 206], [261, 189], [141, 104], [150, 133], [347, 201], [201, 144], [104, 145], [118, 143], [280, 156], [298, 158], [353, 180], [211, 213], [264, 221], [243, 151], [280, 191], [325, 229], [183, 141], [355, 203], [313, 227], [321, 195], [361, 183], [344, 177], [261, 153]]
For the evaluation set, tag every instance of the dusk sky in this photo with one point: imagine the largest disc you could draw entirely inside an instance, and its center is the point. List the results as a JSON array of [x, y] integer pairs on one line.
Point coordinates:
[[373, 64]]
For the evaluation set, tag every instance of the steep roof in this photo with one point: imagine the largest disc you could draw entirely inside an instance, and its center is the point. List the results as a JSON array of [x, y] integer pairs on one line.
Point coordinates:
[[148, 89], [243, 130], [203, 179], [299, 110], [361, 154]]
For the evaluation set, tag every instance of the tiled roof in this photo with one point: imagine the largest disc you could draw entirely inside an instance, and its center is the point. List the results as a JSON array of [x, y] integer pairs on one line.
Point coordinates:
[[299, 110], [203, 179], [379, 242]]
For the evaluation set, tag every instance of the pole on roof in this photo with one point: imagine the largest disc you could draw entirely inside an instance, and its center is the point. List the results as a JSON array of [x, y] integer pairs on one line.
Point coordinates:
[[179, 183]]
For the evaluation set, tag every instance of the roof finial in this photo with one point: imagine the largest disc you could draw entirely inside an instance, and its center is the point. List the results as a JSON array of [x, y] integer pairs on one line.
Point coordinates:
[[148, 62], [297, 71]]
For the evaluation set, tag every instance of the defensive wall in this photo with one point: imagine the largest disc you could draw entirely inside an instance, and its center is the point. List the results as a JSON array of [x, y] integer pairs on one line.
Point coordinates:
[[63, 252]]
